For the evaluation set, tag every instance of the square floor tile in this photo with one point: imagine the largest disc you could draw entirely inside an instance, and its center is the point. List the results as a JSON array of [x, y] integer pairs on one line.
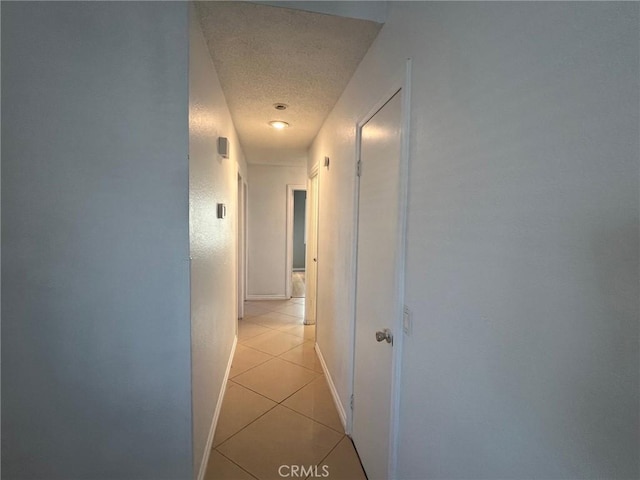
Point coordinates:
[[240, 407], [308, 332], [276, 379], [221, 468], [280, 437], [247, 329], [273, 342], [315, 401], [343, 463], [251, 309], [275, 319], [304, 355], [246, 358], [294, 309]]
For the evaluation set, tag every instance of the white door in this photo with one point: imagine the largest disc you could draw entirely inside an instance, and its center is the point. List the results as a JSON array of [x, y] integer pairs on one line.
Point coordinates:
[[379, 236], [311, 273]]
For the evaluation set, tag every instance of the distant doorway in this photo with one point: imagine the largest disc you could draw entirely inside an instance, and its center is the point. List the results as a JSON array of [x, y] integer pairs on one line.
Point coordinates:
[[296, 240], [298, 285], [299, 243]]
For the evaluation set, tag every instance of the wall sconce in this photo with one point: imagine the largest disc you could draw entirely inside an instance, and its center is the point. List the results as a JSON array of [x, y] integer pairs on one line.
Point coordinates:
[[326, 162], [223, 147]]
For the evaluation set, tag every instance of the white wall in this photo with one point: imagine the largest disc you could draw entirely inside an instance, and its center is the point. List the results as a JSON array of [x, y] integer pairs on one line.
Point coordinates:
[[267, 214], [95, 271], [212, 180], [522, 267]]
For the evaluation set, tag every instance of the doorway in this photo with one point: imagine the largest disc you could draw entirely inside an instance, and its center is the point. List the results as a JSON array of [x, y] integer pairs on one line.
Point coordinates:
[[296, 241], [299, 244], [379, 281]]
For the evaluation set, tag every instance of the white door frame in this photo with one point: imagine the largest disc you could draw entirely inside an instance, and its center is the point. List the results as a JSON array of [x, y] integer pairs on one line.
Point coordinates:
[[402, 82], [241, 244], [312, 230], [289, 239]]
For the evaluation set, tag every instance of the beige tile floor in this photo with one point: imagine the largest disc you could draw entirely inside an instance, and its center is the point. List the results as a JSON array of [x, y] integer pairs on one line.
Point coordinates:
[[278, 409]]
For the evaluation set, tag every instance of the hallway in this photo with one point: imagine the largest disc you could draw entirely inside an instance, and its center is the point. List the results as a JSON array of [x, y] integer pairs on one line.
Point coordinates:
[[278, 413]]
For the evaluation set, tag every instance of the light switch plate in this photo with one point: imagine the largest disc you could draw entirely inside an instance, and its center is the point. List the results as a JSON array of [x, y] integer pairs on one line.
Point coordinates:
[[223, 147], [222, 210]]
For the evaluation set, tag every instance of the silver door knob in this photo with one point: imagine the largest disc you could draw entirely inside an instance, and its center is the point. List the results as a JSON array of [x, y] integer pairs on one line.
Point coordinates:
[[385, 335]]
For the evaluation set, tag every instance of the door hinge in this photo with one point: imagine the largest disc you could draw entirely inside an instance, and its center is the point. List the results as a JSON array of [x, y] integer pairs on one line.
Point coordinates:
[[359, 168], [351, 402]]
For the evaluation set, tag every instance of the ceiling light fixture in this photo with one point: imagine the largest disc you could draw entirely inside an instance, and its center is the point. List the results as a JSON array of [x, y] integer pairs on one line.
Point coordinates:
[[278, 124]]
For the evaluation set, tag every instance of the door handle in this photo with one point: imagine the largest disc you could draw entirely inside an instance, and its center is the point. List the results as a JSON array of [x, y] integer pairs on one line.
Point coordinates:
[[384, 335]]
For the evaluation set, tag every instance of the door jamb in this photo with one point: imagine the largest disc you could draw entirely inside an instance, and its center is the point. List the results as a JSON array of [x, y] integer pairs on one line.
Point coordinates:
[[241, 244], [289, 238], [313, 173], [401, 82]]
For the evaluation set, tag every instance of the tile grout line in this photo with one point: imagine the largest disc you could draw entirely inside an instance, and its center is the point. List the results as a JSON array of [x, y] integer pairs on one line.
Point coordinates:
[[298, 364], [257, 365], [315, 420], [272, 357], [274, 406], [286, 351], [237, 465], [251, 422], [276, 311], [277, 402], [316, 375]]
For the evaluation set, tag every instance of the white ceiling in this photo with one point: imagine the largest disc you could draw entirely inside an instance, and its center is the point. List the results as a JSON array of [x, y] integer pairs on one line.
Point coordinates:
[[267, 54]]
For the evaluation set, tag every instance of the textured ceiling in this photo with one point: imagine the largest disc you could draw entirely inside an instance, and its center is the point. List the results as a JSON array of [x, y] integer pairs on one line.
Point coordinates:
[[265, 55]]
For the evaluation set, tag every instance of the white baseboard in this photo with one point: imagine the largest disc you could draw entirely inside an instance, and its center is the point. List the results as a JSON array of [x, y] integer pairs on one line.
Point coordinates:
[[267, 297], [216, 413], [334, 393]]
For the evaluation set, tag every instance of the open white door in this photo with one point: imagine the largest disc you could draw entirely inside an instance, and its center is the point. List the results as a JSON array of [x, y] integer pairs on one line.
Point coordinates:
[[312, 250], [378, 297]]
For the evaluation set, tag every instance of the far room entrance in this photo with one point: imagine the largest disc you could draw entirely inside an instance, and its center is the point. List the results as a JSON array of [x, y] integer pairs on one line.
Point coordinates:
[[296, 240]]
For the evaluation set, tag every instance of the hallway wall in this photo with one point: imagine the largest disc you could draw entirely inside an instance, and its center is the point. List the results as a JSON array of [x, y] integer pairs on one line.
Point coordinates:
[[214, 284], [522, 267], [267, 215], [95, 272]]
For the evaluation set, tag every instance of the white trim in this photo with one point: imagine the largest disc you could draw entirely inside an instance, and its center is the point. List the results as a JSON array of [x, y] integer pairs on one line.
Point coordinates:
[[332, 388], [216, 413], [241, 236], [312, 231], [245, 247], [291, 188], [402, 83], [266, 297], [400, 272]]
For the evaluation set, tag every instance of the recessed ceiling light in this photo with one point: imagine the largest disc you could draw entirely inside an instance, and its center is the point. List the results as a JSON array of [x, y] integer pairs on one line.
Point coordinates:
[[278, 124], [280, 106]]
